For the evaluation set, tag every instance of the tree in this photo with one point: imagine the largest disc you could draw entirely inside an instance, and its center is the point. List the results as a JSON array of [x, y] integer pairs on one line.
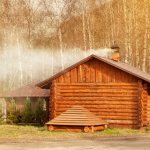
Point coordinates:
[[40, 114], [1, 114], [27, 114], [12, 112]]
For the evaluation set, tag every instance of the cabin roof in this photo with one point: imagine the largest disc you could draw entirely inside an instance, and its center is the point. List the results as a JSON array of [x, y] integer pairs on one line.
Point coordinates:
[[120, 65], [28, 91], [35, 89]]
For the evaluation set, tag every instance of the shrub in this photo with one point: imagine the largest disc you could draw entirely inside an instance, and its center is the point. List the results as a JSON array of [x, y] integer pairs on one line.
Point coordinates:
[[27, 114], [39, 114], [12, 113], [1, 114]]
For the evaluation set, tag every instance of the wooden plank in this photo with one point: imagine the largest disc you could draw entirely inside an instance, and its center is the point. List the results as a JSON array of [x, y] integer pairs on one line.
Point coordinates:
[[98, 72], [93, 72], [74, 75], [87, 72], [80, 76], [67, 77], [84, 73], [104, 73], [61, 79]]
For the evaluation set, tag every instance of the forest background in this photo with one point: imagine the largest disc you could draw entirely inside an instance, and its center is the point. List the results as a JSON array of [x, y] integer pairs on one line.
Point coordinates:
[[41, 37]]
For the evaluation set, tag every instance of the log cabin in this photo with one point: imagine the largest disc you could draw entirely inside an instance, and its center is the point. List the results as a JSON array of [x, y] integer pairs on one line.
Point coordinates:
[[114, 91]]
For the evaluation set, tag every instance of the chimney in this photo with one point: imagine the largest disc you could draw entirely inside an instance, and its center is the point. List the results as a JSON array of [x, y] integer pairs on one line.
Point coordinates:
[[116, 54]]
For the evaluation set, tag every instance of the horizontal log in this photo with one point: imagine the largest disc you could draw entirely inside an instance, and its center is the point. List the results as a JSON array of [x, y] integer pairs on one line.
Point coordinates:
[[132, 126], [107, 110], [97, 94], [99, 106], [119, 117], [146, 118], [96, 88], [102, 84], [135, 99], [97, 91], [59, 102], [146, 113], [123, 122], [98, 128]]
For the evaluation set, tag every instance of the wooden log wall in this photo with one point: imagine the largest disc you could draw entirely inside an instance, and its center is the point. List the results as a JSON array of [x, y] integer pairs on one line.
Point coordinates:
[[145, 112], [52, 101], [117, 103], [148, 111]]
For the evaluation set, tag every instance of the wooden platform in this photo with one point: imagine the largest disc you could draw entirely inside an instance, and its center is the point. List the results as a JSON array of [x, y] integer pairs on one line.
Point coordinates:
[[77, 118]]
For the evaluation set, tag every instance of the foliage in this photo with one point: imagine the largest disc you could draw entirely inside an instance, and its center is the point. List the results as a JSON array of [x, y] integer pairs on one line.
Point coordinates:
[[27, 114], [1, 114], [39, 114], [12, 113]]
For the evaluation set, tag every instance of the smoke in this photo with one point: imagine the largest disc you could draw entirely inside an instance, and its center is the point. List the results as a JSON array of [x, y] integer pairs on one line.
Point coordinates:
[[22, 66]]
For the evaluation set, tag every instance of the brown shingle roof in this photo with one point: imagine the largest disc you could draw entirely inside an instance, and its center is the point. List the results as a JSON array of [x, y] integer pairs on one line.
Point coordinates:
[[120, 65], [28, 91]]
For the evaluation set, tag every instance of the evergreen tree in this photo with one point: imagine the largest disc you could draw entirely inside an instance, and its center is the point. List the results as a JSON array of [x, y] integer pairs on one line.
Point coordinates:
[[39, 112], [27, 116], [1, 114], [12, 112]]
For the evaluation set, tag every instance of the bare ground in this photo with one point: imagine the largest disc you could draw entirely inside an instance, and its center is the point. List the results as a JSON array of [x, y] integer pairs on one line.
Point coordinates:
[[100, 143]]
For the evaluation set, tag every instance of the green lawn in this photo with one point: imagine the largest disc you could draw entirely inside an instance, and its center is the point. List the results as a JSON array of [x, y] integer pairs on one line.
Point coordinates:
[[31, 132]]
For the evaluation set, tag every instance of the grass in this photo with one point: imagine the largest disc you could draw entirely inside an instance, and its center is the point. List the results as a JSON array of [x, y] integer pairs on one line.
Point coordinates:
[[32, 132]]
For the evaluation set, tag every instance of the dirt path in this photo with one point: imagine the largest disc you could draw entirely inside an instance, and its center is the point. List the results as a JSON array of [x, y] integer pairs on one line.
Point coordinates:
[[114, 143]]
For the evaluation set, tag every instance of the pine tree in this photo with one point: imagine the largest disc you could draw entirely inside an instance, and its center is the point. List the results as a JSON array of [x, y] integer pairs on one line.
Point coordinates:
[[12, 112], [1, 114], [27, 115], [39, 112]]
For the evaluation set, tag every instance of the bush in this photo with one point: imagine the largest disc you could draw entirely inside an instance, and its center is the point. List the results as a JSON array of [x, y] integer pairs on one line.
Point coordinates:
[[27, 114], [39, 114], [12, 113], [1, 114]]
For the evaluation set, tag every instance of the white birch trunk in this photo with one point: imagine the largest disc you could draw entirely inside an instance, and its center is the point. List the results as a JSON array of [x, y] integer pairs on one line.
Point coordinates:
[[84, 30], [19, 62], [89, 31], [145, 36], [52, 63], [126, 31], [61, 47]]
